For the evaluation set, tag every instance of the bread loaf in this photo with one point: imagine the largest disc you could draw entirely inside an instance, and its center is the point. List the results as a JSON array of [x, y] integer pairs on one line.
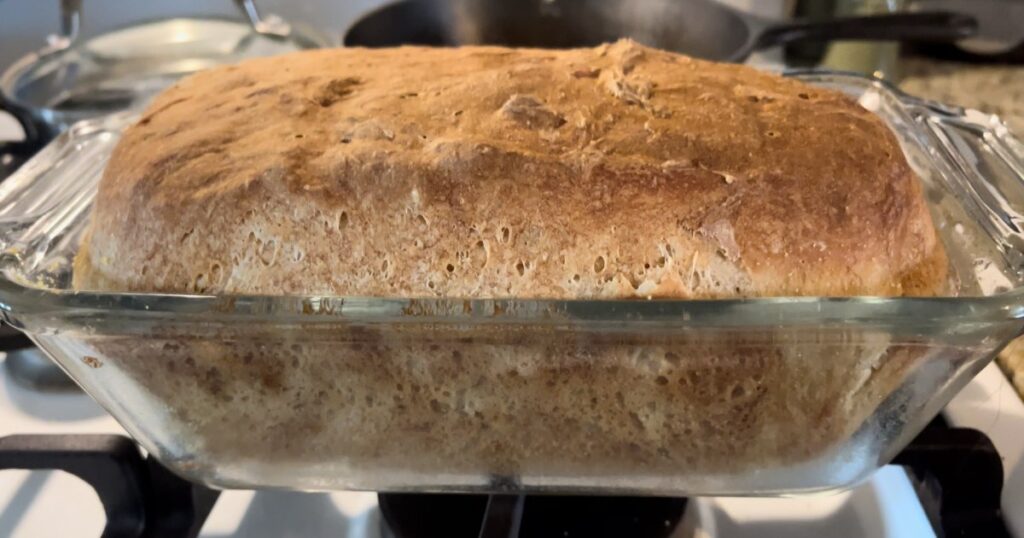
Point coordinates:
[[613, 172]]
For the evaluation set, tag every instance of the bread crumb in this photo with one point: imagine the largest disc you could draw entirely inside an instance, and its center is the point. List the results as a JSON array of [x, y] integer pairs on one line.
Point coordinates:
[[530, 112]]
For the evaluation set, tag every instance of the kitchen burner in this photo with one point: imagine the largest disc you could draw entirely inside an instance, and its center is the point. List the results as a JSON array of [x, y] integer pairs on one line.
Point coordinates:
[[424, 515], [957, 473]]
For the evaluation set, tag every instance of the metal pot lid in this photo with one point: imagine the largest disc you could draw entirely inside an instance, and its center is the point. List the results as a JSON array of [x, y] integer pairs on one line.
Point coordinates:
[[117, 70]]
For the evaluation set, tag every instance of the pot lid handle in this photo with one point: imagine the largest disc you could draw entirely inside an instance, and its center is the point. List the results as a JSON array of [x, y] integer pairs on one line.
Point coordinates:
[[70, 22], [269, 26]]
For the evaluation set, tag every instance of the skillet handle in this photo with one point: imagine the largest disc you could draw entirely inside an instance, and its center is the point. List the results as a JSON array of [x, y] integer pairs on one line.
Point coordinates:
[[933, 26], [13, 153]]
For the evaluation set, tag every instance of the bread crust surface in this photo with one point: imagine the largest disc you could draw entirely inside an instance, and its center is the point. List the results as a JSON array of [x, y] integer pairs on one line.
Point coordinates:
[[614, 172]]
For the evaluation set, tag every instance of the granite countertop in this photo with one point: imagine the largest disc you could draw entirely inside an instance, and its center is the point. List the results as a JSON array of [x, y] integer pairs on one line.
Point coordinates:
[[989, 88], [995, 89]]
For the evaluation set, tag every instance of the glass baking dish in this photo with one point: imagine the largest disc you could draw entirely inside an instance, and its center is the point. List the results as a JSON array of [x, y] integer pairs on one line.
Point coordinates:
[[750, 397]]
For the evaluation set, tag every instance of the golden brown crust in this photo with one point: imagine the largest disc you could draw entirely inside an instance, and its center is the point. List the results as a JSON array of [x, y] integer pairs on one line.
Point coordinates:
[[618, 171]]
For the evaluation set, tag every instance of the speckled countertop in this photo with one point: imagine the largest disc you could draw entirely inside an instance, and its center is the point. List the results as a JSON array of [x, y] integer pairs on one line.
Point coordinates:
[[995, 89]]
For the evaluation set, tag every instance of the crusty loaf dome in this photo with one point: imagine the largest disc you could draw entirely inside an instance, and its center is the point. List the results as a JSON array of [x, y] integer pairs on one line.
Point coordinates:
[[617, 171]]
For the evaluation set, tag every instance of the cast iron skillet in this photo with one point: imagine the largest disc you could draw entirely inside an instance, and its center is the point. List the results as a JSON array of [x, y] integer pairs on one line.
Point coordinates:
[[702, 28]]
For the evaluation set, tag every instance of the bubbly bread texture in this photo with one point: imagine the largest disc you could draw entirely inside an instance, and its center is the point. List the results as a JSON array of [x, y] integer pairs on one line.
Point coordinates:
[[613, 172]]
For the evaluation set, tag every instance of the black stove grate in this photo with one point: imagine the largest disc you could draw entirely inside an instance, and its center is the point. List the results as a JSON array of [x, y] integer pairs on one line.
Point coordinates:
[[140, 497], [959, 481]]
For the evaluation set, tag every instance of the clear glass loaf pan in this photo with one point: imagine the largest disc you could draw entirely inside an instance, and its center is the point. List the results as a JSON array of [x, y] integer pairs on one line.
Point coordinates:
[[756, 397]]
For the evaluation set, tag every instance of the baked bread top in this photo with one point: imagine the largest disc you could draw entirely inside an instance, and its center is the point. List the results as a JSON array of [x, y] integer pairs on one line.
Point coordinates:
[[612, 172]]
